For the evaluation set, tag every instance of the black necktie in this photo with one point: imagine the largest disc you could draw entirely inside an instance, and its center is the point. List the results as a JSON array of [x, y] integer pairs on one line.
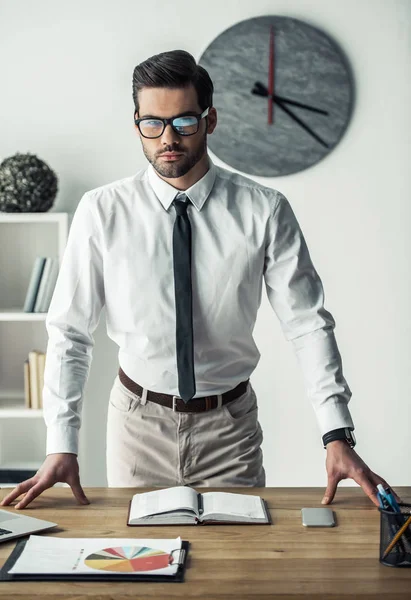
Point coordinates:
[[183, 299]]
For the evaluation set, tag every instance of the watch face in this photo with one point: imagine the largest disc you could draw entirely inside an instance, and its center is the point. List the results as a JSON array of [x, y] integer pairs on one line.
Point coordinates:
[[283, 92]]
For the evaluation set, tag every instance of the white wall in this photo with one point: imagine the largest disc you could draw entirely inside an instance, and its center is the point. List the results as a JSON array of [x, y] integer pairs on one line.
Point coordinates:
[[66, 96]]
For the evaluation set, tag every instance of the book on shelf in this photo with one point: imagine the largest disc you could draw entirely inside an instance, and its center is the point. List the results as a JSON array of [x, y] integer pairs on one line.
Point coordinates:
[[34, 283], [42, 283], [182, 505], [34, 379], [27, 402], [47, 285], [41, 363]]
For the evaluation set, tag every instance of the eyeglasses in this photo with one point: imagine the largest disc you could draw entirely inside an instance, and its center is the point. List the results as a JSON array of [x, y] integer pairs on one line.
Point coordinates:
[[183, 125]]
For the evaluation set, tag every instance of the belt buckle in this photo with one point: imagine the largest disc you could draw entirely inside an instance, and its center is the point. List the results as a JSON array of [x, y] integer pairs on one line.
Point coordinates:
[[175, 398]]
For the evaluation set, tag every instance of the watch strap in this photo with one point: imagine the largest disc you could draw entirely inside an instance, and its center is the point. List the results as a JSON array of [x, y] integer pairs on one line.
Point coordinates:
[[344, 433]]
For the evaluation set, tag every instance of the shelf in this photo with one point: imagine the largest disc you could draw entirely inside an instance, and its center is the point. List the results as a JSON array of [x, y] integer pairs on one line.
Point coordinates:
[[13, 413], [11, 408], [14, 472], [22, 465], [39, 217], [17, 314]]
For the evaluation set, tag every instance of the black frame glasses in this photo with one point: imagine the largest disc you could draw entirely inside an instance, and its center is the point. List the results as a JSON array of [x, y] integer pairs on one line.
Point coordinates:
[[170, 121]]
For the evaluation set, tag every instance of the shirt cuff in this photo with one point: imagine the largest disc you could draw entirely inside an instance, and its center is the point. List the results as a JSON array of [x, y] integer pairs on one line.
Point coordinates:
[[62, 438], [333, 414]]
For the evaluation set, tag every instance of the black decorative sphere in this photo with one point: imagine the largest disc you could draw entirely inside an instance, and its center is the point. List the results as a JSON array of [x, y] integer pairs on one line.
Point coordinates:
[[27, 184]]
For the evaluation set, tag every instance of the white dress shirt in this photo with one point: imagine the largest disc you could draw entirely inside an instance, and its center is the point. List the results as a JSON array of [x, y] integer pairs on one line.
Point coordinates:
[[119, 254]]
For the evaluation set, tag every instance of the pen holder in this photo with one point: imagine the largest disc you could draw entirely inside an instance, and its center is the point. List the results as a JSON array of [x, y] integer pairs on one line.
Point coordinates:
[[399, 554]]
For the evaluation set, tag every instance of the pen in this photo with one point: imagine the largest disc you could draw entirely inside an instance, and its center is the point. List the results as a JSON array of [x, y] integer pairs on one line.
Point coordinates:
[[389, 496], [382, 498], [391, 499], [397, 537]]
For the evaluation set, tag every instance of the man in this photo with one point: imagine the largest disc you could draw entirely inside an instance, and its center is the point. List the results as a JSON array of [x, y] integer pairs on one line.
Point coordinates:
[[177, 253]]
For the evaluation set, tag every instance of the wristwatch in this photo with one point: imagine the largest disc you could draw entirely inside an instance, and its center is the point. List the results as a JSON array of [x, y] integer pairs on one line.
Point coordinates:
[[345, 433]]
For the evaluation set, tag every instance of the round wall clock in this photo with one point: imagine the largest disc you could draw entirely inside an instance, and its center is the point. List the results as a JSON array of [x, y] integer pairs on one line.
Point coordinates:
[[283, 91]]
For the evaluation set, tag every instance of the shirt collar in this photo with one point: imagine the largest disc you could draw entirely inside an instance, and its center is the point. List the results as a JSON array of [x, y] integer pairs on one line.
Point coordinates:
[[198, 192]]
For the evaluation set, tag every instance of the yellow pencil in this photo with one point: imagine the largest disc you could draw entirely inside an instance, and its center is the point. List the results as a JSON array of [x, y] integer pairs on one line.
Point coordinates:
[[397, 537]]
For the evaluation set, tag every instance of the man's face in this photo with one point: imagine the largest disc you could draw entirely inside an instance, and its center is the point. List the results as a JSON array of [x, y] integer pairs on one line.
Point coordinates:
[[165, 103]]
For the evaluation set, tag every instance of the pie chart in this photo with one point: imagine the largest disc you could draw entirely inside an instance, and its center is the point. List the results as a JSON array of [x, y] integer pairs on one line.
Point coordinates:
[[128, 559]]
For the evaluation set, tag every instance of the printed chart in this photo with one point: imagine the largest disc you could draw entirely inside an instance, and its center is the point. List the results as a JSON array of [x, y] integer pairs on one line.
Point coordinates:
[[127, 559]]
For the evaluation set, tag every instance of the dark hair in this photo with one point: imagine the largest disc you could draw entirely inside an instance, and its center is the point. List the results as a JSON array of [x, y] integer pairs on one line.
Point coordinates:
[[174, 69]]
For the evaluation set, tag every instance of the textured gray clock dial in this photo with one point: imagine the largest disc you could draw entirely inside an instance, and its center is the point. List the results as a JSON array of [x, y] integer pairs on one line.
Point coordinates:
[[309, 69]]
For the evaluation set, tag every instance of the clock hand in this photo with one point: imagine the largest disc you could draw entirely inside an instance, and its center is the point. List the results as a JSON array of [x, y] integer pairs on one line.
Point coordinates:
[[294, 103], [260, 90], [271, 78], [301, 123]]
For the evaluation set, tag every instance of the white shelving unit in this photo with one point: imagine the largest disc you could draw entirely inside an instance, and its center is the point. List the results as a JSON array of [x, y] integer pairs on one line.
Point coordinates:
[[17, 314], [23, 237]]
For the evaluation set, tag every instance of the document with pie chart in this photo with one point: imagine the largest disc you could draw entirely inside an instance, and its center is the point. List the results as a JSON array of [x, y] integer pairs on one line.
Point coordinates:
[[56, 555]]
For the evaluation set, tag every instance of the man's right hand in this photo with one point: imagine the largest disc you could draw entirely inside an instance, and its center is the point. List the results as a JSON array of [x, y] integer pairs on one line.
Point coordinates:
[[56, 468]]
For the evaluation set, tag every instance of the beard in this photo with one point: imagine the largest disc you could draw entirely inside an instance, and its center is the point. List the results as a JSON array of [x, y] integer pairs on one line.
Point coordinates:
[[173, 170]]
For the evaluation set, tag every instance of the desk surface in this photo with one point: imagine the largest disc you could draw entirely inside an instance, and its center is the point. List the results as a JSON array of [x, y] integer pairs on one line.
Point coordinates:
[[283, 560]]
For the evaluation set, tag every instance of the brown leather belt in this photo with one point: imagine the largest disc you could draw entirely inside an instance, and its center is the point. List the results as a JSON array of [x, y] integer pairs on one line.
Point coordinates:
[[176, 403]]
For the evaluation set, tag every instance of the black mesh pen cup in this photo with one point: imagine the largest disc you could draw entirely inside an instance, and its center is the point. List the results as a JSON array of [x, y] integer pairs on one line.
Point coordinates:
[[398, 553]]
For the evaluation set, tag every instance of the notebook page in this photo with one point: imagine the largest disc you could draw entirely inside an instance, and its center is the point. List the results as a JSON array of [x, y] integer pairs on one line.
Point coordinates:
[[226, 503], [160, 501]]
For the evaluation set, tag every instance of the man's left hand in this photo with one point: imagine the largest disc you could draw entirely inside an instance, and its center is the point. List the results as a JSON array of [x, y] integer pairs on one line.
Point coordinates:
[[344, 463]]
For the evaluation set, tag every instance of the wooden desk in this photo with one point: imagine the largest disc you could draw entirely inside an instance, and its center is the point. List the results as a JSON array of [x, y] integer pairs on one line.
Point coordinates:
[[283, 560]]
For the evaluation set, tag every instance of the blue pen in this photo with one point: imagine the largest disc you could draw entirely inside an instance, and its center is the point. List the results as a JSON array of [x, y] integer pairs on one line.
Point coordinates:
[[382, 498], [391, 499]]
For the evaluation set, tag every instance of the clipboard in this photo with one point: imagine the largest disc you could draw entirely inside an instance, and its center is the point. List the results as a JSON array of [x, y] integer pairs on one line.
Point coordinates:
[[19, 547]]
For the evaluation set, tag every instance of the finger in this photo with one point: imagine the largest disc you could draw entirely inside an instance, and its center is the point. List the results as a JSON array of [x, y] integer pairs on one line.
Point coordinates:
[[367, 485], [78, 491], [330, 490], [22, 487], [35, 491], [396, 496]]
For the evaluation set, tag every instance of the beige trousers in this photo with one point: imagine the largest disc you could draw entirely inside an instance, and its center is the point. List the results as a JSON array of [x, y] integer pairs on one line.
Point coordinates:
[[149, 445]]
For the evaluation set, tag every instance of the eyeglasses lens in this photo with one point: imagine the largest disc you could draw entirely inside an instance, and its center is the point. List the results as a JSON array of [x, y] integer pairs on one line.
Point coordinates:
[[154, 128]]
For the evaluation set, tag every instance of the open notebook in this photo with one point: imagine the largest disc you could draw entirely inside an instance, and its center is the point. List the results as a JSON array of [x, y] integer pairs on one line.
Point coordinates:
[[182, 505]]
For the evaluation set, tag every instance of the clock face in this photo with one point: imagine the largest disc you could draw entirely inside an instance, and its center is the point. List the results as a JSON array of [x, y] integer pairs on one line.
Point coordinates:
[[274, 65]]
